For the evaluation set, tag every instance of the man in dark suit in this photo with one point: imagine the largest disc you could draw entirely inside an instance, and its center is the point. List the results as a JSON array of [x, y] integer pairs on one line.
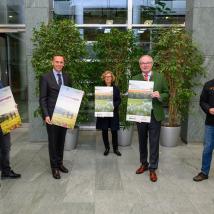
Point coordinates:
[[6, 172], [159, 96], [50, 84]]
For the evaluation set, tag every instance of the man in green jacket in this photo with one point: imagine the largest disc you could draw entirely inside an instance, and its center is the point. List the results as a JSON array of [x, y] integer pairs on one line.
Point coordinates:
[[159, 96]]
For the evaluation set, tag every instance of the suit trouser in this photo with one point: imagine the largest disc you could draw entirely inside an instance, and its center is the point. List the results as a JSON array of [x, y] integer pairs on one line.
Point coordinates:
[[153, 130], [114, 139], [5, 153], [56, 141]]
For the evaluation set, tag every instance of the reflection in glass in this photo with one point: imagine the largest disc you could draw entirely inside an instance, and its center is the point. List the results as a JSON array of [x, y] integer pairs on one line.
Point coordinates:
[[105, 16], [92, 12], [12, 12], [159, 12], [143, 36], [13, 69], [90, 34], [18, 75]]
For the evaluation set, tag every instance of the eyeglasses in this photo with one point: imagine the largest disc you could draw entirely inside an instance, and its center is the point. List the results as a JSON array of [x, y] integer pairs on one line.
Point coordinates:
[[145, 63]]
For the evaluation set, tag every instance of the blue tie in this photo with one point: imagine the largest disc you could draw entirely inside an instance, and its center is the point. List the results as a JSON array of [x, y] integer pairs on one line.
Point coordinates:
[[59, 80]]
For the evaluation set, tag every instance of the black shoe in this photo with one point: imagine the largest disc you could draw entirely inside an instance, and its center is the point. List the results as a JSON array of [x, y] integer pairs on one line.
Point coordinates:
[[55, 173], [63, 169], [10, 175], [117, 153], [200, 177], [106, 152]]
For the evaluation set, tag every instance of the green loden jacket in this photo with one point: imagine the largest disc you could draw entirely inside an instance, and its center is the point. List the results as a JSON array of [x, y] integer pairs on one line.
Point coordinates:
[[160, 84]]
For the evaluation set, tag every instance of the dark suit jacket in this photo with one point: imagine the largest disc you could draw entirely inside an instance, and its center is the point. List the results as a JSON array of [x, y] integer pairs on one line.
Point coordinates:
[[111, 122], [1, 84], [160, 84], [49, 90], [207, 101]]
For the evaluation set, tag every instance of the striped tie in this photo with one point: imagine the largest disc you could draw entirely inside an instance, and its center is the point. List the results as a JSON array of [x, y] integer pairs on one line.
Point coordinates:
[[146, 77]]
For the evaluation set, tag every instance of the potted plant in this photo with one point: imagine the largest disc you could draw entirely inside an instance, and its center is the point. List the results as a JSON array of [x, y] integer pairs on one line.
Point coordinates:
[[61, 37], [181, 62], [117, 51]]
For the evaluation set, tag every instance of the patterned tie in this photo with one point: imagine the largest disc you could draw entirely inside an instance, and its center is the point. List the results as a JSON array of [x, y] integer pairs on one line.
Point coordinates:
[[59, 80], [146, 77]]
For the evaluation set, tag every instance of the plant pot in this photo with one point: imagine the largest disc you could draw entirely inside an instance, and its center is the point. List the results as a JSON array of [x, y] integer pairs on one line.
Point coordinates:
[[71, 139], [125, 136], [170, 136]]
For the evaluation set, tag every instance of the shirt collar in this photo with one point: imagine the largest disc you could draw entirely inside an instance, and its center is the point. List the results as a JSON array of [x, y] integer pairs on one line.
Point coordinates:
[[56, 72], [149, 74]]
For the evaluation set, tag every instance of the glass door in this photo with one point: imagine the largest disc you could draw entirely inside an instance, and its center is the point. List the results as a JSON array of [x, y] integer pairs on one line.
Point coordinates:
[[3, 60], [13, 68]]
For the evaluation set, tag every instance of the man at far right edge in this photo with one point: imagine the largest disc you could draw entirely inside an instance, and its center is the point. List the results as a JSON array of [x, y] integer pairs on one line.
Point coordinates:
[[152, 130], [207, 105]]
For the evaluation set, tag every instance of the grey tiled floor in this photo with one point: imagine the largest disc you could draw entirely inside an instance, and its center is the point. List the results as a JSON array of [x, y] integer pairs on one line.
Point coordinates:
[[104, 185]]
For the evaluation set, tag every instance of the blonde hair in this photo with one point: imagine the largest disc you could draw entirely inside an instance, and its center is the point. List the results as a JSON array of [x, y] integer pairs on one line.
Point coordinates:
[[107, 72]]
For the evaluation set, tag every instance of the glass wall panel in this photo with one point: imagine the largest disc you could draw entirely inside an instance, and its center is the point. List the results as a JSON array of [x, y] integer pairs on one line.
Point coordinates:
[[92, 12], [159, 12], [17, 72], [143, 38], [12, 12], [13, 69], [90, 34]]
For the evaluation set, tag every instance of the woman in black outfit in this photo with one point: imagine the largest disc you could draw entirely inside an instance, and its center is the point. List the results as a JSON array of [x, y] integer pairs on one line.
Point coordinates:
[[104, 123]]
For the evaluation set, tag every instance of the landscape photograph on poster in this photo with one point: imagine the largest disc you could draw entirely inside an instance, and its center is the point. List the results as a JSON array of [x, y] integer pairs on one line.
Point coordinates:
[[9, 115], [67, 107], [139, 101], [104, 101], [10, 121]]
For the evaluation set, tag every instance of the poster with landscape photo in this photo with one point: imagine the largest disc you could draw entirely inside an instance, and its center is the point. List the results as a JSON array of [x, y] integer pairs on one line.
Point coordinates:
[[104, 101], [67, 107], [139, 104], [9, 115]]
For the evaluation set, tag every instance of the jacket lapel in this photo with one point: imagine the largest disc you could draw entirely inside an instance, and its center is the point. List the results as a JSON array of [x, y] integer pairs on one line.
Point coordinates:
[[53, 79], [65, 79]]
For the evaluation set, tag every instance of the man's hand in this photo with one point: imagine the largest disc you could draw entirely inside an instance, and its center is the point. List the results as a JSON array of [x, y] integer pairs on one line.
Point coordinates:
[[155, 94], [48, 120], [211, 111]]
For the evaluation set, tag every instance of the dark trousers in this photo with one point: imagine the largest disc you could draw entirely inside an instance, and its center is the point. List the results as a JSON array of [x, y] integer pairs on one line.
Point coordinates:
[[5, 153], [114, 139], [56, 141], [153, 130]]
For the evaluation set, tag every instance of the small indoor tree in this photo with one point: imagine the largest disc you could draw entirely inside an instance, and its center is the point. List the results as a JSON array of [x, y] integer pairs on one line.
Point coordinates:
[[181, 62], [60, 37], [117, 51]]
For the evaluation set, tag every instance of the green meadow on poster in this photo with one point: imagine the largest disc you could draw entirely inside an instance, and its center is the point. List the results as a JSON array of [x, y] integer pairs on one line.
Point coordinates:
[[139, 101], [104, 101]]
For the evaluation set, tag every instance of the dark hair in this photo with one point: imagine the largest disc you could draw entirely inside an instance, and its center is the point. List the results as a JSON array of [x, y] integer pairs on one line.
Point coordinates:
[[58, 55]]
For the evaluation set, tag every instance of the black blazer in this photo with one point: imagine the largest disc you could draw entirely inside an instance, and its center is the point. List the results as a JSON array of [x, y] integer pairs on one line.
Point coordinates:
[[1, 84], [111, 122], [49, 90], [207, 101]]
